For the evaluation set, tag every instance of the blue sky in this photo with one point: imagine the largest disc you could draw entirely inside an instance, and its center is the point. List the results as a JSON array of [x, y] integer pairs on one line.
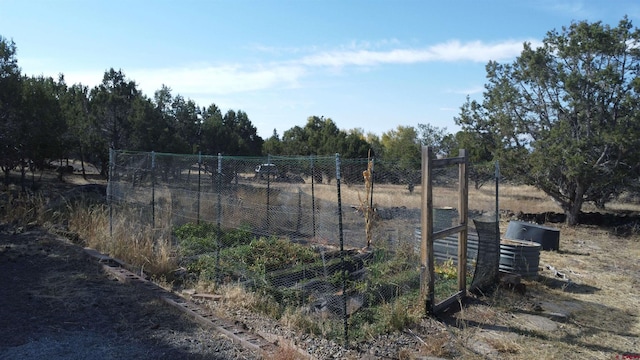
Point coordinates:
[[371, 64]]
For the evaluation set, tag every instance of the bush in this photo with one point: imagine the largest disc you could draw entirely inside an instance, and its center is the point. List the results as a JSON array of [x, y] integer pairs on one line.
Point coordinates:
[[199, 239]]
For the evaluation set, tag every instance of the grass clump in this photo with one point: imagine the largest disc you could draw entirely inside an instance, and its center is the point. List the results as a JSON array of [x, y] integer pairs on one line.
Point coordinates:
[[268, 254], [199, 239]]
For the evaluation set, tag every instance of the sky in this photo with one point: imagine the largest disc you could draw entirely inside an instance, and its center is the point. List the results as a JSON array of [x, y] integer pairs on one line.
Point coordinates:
[[372, 65]]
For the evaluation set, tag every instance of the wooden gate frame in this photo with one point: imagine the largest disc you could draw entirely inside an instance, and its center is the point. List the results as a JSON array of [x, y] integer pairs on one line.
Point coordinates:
[[427, 273]]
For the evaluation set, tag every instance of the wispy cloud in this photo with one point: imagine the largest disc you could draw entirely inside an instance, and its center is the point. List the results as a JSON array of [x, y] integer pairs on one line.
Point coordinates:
[[223, 79], [469, 91], [451, 51], [228, 79]]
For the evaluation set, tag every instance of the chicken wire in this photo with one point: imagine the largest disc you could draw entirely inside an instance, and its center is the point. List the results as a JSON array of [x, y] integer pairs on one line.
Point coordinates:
[[323, 202]]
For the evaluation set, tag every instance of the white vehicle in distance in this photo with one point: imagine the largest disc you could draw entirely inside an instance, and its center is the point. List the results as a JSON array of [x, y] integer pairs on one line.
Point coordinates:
[[265, 170]]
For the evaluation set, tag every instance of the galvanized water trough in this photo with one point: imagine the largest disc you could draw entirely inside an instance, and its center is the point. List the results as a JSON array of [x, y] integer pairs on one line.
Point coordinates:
[[548, 237], [520, 257]]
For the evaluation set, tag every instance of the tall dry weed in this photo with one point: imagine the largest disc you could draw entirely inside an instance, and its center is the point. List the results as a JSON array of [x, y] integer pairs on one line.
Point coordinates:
[[127, 240]]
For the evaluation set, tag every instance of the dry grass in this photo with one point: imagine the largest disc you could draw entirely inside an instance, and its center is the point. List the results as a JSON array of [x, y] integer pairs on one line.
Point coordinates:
[[592, 312], [132, 242]]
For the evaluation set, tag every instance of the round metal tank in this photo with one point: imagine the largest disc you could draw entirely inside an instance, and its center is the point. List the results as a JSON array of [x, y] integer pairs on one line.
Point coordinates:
[[520, 257], [548, 237]]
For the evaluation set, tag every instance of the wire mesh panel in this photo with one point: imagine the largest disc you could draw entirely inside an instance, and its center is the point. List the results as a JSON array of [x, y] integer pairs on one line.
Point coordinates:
[[334, 238]]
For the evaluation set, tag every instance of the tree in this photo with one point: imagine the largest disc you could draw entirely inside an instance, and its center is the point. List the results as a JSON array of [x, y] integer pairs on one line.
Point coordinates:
[[318, 137], [432, 136], [42, 125], [564, 116], [112, 106], [79, 136], [10, 99], [247, 141], [186, 115], [352, 144], [401, 156], [402, 146], [272, 145]]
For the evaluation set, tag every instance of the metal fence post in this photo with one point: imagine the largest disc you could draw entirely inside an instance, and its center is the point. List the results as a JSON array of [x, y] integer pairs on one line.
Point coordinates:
[[219, 190], [497, 204], [110, 189], [313, 195], [153, 190], [268, 191], [218, 227], [199, 187], [342, 260]]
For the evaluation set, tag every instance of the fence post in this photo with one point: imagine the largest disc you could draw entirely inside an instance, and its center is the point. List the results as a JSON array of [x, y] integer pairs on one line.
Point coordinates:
[[199, 177], [342, 260], [372, 181], [219, 190], [313, 195], [427, 277], [268, 191], [497, 204], [463, 207], [153, 190], [219, 220], [110, 189]]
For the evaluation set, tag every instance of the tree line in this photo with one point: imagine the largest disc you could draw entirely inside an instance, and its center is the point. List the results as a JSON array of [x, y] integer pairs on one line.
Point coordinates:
[[563, 117], [44, 119]]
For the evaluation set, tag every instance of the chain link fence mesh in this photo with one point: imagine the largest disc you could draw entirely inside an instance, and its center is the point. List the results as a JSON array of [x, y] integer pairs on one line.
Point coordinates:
[[358, 221]]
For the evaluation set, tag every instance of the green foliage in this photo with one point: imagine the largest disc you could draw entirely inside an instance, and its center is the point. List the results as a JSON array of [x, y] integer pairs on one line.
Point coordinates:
[[203, 266], [447, 270], [403, 312], [564, 117], [268, 254], [197, 239], [239, 252], [320, 136], [402, 145], [194, 239], [231, 133]]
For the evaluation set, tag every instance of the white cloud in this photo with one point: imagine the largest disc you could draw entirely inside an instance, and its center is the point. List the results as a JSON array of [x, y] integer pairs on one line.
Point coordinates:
[[451, 51], [217, 80], [206, 80]]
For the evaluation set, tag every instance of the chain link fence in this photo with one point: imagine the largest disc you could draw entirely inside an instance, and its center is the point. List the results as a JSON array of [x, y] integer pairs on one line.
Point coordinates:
[[328, 238]]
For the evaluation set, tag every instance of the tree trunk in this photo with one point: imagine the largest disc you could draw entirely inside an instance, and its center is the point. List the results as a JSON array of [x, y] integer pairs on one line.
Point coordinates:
[[84, 173], [572, 210], [7, 172]]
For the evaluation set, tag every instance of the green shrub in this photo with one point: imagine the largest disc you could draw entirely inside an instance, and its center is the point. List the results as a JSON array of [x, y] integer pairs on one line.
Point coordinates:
[[268, 254], [204, 267], [199, 239]]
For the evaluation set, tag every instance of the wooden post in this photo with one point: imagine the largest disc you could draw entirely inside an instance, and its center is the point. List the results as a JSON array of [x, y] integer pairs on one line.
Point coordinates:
[[463, 206], [427, 273]]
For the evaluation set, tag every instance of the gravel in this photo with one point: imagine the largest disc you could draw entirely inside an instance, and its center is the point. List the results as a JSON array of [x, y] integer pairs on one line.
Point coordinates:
[[57, 303]]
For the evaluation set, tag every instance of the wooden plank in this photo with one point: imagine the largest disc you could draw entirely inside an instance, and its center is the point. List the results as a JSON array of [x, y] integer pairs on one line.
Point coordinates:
[[213, 297], [438, 163], [231, 334], [446, 303], [450, 231]]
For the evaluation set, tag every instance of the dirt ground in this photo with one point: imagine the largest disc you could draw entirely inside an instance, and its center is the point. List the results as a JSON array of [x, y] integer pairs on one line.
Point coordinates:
[[584, 304], [57, 303]]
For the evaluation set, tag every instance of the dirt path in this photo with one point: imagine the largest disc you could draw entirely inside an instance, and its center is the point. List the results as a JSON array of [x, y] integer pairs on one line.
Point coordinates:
[[57, 303]]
